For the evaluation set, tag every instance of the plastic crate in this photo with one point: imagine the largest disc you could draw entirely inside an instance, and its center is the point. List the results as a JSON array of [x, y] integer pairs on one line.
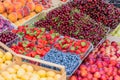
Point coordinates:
[[17, 59]]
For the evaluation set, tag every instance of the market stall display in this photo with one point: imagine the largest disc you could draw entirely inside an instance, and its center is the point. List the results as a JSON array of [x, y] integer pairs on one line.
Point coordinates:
[[59, 40], [14, 68], [45, 41]]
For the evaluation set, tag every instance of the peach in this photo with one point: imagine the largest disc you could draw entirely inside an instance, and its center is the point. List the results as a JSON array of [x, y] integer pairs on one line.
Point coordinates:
[[2, 8], [84, 73], [11, 8], [31, 6], [97, 75], [20, 13], [89, 76], [31, 15], [5, 14], [38, 8], [17, 5], [22, 2], [12, 17], [7, 3], [83, 67], [26, 11]]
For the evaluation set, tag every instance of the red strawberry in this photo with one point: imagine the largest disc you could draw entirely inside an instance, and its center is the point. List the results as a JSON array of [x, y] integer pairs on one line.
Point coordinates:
[[28, 54], [33, 54], [48, 37], [78, 51], [83, 50]]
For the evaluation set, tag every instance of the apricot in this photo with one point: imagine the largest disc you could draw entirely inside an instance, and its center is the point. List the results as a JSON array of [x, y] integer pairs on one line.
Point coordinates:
[[38, 8], [2, 8], [11, 8], [5, 14], [17, 5], [31, 6], [12, 17], [20, 14]]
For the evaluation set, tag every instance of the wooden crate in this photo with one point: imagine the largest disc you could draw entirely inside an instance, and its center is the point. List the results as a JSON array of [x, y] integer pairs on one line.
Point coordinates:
[[17, 59]]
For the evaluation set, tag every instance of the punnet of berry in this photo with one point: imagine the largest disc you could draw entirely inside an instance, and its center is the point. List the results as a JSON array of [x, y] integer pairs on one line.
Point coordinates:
[[8, 37]]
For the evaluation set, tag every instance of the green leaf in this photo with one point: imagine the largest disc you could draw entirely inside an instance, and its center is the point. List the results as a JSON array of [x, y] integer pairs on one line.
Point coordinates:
[[58, 24], [53, 35], [76, 10], [28, 31], [37, 57], [72, 48], [34, 48], [50, 27], [76, 32], [81, 37], [43, 29], [65, 45], [56, 19]]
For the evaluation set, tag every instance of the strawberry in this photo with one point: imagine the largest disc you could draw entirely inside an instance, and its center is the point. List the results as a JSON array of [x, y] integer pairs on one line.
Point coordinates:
[[78, 51], [28, 54], [51, 31], [33, 54], [83, 50], [48, 37], [43, 53]]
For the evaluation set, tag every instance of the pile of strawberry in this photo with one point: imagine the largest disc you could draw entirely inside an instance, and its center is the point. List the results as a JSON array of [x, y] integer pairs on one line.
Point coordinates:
[[36, 42], [68, 44], [38, 35], [30, 49], [79, 46], [64, 43]]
